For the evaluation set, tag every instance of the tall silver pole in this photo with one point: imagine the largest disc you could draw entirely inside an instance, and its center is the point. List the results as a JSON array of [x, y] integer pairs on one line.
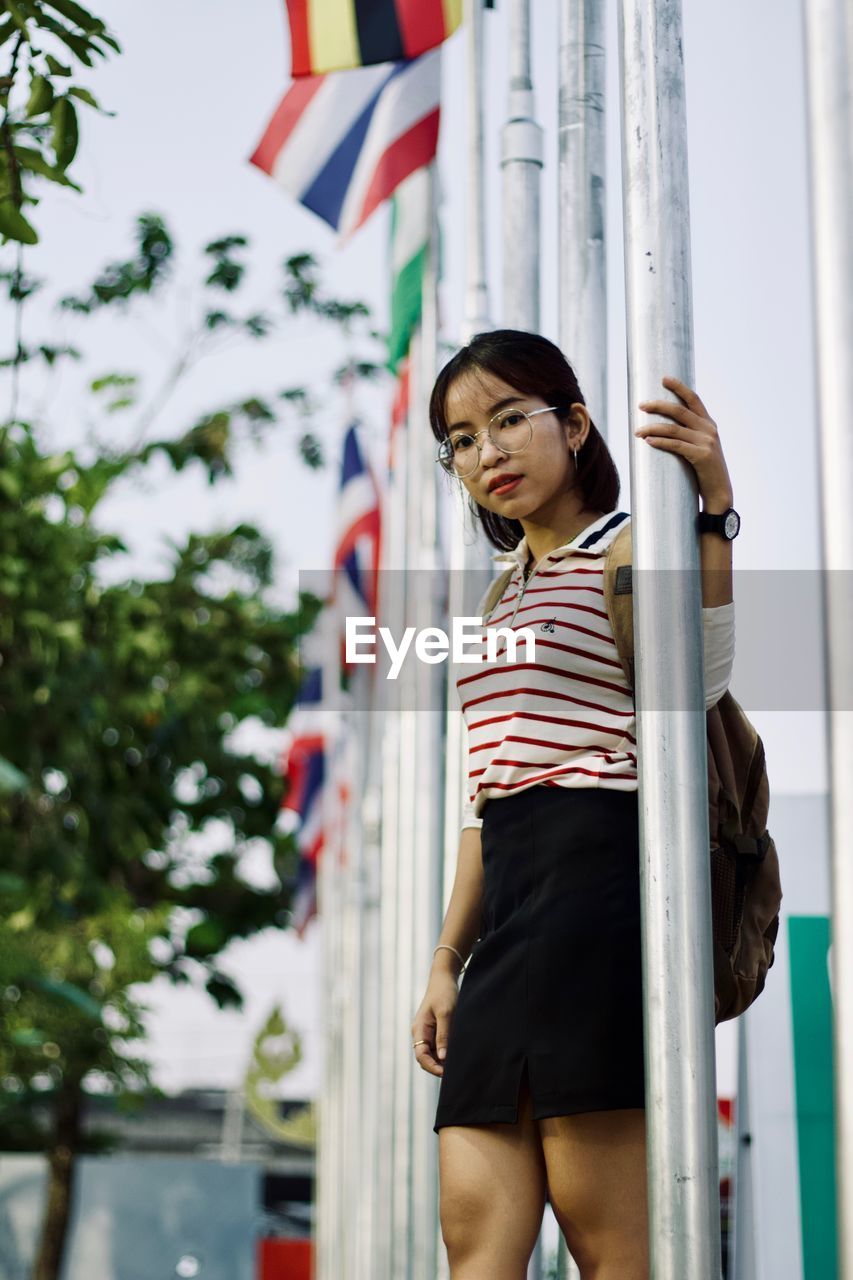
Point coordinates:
[[430, 685], [466, 547], [742, 1237], [476, 286], [582, 258], [521, 162], [677, 954], [403, 1206], [829, 73]]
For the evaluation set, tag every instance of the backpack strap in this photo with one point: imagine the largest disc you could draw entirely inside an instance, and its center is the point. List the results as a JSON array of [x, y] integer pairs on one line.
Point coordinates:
[[618, 598]]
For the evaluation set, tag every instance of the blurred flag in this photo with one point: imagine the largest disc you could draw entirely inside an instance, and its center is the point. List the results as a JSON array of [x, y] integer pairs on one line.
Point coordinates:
[[341, 143], [399, 411], [410, 212], [304, 770], [357, 549], [334, 35]]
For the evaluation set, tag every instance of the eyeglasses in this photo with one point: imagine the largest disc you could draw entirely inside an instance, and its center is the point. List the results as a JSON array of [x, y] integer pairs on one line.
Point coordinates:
[[510, 431]]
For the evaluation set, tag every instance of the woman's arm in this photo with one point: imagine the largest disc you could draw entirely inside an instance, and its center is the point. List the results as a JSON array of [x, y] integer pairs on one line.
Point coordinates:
[[462, 921], [431, 1025]]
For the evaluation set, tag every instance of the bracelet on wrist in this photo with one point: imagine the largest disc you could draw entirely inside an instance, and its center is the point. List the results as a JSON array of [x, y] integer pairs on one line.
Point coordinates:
[[445, 946]]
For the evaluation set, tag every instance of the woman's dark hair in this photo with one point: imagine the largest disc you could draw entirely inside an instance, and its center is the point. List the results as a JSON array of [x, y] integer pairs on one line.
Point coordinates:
[[535, 367]]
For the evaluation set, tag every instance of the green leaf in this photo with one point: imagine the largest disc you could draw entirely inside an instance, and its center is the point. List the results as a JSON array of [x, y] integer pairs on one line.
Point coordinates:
[[41, 96], [77, 14], [63, 117], [85, 96], [11, 883], [79, 45], [113, 380], [6, 29], [35, 162], [13, 224], [57, 68], [11, 779], [67, 991]]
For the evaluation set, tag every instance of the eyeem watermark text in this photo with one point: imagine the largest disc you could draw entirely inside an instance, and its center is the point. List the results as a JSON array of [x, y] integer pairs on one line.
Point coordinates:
[[432, 644]]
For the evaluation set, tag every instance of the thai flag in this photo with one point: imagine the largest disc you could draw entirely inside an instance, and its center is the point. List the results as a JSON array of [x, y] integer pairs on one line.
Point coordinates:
[[341, 143], [357, 550], [304, 769]]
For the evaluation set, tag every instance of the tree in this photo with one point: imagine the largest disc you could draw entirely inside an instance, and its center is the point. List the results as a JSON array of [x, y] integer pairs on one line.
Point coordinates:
[[119, 734], [44, 46]]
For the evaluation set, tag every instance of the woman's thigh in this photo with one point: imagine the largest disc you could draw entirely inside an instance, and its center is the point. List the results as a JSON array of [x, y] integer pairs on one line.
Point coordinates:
[[492, 1180], [596, 1172]]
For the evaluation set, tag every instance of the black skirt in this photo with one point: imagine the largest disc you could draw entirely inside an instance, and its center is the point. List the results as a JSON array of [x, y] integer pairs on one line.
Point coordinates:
[[554, 983]]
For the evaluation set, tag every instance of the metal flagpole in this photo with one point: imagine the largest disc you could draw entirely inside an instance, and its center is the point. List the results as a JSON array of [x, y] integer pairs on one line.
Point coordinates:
[[330, 1166], [521, 161], [582, 258], [387, 1082], [427, 583], [408, 812], [476, 286], [465, 551], [675, 872], [828, 29], [521, 164]]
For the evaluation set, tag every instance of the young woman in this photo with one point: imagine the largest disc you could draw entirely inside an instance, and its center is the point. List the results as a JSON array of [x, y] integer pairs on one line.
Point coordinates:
[[540, 1051]]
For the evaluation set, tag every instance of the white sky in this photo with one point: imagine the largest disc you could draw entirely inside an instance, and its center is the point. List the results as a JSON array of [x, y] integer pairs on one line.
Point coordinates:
[[193, 91]]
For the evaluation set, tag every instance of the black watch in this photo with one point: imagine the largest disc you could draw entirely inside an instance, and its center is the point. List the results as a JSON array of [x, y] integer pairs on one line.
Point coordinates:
[[726, 525]]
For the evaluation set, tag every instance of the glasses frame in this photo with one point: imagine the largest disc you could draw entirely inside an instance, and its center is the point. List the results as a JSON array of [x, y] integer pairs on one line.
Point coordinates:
[[475, 435]]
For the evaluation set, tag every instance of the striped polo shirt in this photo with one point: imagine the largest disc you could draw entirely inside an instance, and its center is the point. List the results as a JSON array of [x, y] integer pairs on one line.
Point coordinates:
[[567, 719]]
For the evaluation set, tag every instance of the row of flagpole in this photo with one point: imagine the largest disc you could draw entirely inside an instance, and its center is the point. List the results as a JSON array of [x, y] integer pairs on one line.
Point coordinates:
[[386, 869]]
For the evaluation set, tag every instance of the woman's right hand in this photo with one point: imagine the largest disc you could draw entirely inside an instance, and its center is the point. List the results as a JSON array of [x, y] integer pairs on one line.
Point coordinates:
[[432, 1021]]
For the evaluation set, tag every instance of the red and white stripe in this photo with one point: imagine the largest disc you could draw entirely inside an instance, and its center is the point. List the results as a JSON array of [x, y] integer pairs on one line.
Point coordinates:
[[566, 719]]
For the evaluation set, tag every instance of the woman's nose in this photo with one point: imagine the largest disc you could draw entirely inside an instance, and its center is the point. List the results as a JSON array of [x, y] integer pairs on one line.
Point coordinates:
[[489, 451]]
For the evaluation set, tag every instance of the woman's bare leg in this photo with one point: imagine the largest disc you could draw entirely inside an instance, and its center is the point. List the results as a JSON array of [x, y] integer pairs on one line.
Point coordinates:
[[492, 1179], [596, 1169]]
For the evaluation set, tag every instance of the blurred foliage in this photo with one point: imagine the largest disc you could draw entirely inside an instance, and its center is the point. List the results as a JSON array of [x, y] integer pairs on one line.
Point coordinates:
[[120, 762], [124, 400], [118, 704], [43, 47]]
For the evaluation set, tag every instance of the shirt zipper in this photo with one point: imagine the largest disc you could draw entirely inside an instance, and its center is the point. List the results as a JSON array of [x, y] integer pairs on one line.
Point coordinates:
[[525, 583]]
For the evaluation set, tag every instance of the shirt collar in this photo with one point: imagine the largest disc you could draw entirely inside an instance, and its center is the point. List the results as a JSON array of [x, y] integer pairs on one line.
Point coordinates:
[[592, 540]]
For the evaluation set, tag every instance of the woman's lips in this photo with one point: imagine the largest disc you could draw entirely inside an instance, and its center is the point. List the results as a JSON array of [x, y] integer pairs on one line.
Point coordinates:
[[500, 489]]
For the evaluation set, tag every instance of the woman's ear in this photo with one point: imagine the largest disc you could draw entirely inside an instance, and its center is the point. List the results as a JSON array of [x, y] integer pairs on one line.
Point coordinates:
[[577, 422]]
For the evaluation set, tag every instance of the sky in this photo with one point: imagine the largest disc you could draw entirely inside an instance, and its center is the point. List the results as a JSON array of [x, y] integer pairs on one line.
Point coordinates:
[[192, 93]]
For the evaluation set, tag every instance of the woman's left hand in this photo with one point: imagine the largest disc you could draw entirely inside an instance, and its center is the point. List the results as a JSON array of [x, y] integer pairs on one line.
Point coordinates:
[[692, 433]]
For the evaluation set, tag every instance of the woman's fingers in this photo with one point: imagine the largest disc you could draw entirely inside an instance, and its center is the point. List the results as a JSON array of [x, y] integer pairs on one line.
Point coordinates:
[[442, 1034], [424, 1029]]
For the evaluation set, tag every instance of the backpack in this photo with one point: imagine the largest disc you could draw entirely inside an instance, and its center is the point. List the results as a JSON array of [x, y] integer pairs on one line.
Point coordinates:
[[745, 887]]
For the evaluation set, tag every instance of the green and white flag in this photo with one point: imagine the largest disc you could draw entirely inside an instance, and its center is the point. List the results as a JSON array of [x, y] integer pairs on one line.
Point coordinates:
[[410, 209]]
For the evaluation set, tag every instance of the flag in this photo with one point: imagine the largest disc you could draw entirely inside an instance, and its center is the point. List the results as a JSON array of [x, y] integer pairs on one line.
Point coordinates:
[[334, 35], [410, 219], [304, 770], [341, 143], [357, 549]]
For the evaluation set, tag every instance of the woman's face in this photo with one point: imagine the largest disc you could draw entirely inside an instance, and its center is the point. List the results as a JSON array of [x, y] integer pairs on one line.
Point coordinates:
[[545, 466]]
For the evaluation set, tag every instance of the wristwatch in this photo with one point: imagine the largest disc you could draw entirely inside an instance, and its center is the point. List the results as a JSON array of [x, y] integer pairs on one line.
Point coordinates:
[[727, 525]]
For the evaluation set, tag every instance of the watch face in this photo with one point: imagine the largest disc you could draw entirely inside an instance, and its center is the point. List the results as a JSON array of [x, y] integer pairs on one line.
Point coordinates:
[[732, 524]]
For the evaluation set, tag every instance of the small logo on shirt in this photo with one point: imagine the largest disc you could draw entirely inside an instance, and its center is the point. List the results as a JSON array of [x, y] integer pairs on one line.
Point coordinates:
[[548, 626]]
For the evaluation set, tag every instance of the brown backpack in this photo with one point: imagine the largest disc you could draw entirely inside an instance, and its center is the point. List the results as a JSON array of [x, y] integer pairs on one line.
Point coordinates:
[[745, 889]]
